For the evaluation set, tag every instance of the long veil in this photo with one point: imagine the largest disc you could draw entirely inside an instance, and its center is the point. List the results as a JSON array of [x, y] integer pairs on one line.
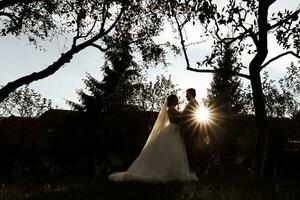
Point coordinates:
[[161, 122]]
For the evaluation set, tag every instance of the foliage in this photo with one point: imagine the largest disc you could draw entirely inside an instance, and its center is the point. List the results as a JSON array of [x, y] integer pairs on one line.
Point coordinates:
[[153, 94], [25, 102], [116, 89], [281, 97], [35, 18], [93, 23], [226, 90]]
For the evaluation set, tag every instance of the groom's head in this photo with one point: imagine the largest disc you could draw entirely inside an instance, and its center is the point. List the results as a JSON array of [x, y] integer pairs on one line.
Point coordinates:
[[190, 94]]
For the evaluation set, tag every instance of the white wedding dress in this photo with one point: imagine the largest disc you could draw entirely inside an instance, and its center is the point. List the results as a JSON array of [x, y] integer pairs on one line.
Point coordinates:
[[163, 158]]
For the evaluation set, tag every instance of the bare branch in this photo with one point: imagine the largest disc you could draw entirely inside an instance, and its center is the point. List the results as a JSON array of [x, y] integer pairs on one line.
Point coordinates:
[[219, 71], [77, 30], [179, 26], [100, 48], [251, 33], [104, 15], [279, 56], [199, 42]]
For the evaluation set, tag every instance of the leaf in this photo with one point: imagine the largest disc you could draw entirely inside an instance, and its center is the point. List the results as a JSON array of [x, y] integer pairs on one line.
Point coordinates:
[[222, 21], [295, 17], [205, 5], [201, 18]]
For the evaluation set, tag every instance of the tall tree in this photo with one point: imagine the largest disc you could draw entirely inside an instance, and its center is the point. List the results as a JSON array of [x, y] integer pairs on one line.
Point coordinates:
[[225, 92], [115, 91], [249, 23], [110, 102]]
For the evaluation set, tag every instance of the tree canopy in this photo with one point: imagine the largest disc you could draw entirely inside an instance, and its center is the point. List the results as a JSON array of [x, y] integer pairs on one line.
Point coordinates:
[[90, 23]]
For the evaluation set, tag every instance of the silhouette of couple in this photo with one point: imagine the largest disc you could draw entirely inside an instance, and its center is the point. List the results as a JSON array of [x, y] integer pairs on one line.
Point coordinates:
[[167, 154]]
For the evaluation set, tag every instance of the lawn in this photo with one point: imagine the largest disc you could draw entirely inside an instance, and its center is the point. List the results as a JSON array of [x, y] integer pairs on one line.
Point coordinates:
[[78, 187]]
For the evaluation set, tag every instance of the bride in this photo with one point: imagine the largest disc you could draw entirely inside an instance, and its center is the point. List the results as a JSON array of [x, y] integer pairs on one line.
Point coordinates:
[[164, 156]]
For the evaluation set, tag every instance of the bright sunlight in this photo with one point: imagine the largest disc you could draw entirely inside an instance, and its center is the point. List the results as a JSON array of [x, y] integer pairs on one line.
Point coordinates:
[[203, 114]]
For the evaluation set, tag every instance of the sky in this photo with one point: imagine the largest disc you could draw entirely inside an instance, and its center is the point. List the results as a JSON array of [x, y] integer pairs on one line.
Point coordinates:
[[18, 58]]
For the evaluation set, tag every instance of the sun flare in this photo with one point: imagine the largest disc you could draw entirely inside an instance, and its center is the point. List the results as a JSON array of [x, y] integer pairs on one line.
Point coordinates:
[[203, 114]]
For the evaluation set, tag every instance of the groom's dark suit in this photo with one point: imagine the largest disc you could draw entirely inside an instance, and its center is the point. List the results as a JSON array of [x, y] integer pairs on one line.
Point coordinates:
[[189, 130]]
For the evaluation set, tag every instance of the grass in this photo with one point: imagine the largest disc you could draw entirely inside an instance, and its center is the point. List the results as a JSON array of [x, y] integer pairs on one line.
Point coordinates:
[[75, 188]]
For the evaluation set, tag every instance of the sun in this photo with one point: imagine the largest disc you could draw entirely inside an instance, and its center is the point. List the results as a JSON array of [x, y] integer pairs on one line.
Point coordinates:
[[203, 114]]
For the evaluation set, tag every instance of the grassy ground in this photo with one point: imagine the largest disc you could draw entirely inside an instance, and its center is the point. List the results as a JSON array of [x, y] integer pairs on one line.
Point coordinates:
[[67, 188]]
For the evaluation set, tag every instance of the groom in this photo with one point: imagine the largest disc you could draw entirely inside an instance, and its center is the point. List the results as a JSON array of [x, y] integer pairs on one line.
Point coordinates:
[[189, 128]]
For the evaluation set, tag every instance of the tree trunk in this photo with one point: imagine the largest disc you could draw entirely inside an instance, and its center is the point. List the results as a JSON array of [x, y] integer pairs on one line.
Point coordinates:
[[262, 128], [258, 97]]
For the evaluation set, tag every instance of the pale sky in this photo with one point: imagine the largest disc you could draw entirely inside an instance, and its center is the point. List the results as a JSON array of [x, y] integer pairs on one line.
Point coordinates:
[[18, 58]]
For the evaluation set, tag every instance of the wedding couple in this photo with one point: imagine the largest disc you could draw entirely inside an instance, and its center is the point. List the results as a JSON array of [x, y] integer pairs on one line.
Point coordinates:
[[164, 157]]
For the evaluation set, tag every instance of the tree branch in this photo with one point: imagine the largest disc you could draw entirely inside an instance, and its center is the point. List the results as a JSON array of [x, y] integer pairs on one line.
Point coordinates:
[[181, 37], [247, 32], [115, 22], [90, 31], [77, 29], [219, 71], [51, 69], [284, 20], [100, 48], [103, 18], [279, 56]]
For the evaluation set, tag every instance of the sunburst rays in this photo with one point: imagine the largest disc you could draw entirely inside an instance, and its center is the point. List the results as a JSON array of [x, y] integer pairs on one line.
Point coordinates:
[[205, 122]]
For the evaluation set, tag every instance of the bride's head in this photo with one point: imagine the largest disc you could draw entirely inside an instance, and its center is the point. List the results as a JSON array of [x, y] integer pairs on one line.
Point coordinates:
[[172, 100]]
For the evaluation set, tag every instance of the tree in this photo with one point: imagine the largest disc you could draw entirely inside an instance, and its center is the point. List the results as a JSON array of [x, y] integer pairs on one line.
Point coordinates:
[[225, 93], [116, 89], [91, 22], [281, 96], [25, 102], [152, 95], [109, 103], [249, 25]]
